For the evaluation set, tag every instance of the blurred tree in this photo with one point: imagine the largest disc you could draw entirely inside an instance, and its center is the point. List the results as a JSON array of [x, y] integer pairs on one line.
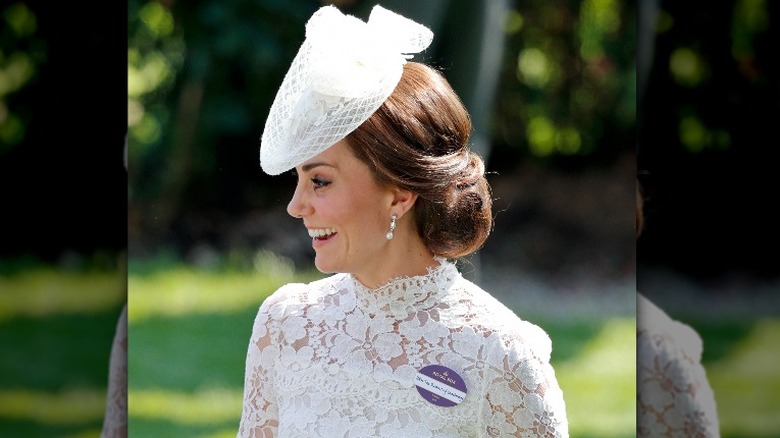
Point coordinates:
[[568, 85], [22, 51], [201, 77], [710, 107]]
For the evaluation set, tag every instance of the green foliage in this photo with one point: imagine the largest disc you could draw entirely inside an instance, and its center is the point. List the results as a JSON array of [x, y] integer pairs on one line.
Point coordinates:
[[568, 84], [199, 73], [22, 52]]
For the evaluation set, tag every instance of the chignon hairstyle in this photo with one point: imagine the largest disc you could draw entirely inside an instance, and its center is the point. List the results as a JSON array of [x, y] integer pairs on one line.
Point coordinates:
[[418, 141]]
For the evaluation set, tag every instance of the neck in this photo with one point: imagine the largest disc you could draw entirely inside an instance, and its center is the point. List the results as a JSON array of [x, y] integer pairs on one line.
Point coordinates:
[[402, 259]]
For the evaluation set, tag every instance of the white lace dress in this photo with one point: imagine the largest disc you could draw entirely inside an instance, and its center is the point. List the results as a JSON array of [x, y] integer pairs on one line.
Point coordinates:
[[674, 398], [335, 359]]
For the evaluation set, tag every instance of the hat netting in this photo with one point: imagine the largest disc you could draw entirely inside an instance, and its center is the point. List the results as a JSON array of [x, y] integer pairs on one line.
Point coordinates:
[[343, 72]]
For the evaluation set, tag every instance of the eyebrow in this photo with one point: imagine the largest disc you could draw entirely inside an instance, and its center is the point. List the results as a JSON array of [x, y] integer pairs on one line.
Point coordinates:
[[310, 166]]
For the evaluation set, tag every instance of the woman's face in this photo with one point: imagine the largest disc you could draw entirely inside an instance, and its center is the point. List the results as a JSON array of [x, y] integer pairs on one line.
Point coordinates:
[[345, 211]]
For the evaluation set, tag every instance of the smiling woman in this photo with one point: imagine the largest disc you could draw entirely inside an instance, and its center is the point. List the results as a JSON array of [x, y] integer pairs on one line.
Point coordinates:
[[397, 342]]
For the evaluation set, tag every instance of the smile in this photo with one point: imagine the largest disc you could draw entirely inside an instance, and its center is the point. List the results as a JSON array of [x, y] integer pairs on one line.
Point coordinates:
[[321, 233]]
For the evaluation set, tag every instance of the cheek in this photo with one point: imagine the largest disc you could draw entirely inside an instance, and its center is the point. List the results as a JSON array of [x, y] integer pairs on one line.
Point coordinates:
[[367, 220]]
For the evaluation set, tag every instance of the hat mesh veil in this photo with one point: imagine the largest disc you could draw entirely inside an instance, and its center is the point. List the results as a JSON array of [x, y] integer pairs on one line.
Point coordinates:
[[343, 72]]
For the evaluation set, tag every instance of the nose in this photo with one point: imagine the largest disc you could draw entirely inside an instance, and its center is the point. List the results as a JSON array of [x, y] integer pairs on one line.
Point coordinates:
[[299, 206]]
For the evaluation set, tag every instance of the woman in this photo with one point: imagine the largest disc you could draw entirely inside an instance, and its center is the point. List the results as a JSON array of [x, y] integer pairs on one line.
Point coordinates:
[[396, 343]]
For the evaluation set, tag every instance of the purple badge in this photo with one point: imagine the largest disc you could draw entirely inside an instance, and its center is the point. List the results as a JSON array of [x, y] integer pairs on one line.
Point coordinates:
[[440, 385]]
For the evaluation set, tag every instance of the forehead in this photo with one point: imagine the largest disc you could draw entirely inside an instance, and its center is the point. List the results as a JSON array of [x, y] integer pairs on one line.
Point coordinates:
[[339, 156]]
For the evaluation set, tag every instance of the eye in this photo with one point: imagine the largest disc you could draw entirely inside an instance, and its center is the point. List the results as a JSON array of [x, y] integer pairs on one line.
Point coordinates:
[[319, 182]]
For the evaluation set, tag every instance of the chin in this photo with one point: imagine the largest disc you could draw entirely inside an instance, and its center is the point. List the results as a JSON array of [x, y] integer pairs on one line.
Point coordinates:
[[324, 266]]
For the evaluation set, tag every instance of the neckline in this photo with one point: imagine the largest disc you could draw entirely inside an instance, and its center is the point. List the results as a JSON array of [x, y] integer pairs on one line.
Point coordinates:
[[402, 295]]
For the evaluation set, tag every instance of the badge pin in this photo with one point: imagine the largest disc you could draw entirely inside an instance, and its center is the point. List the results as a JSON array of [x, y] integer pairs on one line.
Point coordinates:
[[440, 385]]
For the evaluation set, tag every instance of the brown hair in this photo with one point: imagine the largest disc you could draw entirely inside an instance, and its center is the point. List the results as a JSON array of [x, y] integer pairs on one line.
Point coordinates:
[[418, 141]]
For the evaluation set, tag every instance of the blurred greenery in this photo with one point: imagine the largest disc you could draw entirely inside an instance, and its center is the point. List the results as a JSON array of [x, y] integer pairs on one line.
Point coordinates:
[[56, 331], [62, 123], [599, 377], [568, 91], [740, 358], [709, 103], [22, 50]]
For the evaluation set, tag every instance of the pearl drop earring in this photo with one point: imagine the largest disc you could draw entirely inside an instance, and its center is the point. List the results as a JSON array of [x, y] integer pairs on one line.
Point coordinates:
[[390, 234]]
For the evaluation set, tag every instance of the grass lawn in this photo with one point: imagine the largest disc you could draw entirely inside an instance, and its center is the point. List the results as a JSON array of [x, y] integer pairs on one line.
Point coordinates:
[[740, 357], [56, 331]]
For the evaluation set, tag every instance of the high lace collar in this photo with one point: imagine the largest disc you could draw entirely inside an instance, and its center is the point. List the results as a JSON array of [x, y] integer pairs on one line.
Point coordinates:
[[403, 295]]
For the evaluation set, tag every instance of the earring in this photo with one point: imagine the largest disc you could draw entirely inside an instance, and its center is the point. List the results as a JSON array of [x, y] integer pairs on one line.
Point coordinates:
[[390, 234]]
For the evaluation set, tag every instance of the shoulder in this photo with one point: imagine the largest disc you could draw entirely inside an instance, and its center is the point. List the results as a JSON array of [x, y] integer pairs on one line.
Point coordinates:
[[292, 298], [659, 334], [507, 332], [669, 351], [516, 356], [289, 301]]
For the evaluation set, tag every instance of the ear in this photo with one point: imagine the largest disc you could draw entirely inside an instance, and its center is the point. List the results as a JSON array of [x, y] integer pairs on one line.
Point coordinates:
[[402, 200]]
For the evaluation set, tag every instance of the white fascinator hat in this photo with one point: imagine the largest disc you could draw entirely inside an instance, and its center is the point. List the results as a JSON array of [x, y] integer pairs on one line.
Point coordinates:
[[343, 72]]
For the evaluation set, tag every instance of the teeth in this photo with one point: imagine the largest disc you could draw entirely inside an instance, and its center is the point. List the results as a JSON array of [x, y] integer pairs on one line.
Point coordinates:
[[321, 232]]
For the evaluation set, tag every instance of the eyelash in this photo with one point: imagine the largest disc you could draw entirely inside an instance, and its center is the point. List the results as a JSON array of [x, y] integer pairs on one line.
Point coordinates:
[[319, 183]]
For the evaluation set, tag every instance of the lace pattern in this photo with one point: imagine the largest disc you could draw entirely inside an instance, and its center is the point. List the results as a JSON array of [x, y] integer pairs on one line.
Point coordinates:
[[336, 359], [674, 397]]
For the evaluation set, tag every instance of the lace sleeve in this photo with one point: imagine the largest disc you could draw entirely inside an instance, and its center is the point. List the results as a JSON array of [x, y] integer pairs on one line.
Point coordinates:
[[523, 398], [674, 397], [673, 394], [259, 414]]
